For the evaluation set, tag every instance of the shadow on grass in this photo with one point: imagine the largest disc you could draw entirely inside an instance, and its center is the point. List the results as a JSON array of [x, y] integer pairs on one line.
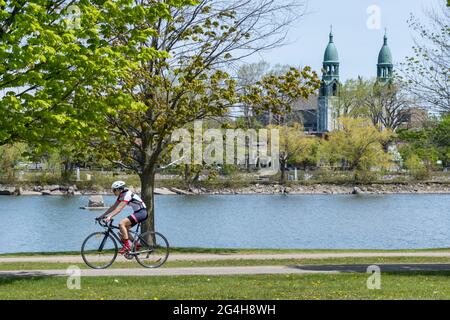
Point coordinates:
[[18, 254], [203, 250], [385, 268], [24, 276]]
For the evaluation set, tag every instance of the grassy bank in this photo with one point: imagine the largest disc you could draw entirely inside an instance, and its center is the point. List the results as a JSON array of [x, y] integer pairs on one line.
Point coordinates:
[[417, 285], [394, 285]]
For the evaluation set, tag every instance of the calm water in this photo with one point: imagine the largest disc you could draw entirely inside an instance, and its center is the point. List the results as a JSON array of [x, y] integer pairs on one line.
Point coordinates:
[[36, 223]]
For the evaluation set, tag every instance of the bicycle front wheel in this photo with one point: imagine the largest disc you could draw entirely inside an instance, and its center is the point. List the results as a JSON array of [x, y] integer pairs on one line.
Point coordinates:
[[99, 250], [151, 249]]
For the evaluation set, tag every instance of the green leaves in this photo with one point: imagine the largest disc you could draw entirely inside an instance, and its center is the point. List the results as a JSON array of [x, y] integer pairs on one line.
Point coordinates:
[[276, 93], [57, 75], [357, 144]]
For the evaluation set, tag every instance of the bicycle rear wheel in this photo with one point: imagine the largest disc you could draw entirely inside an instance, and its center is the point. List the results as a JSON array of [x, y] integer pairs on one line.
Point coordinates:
[[99, 250], [151, 249]]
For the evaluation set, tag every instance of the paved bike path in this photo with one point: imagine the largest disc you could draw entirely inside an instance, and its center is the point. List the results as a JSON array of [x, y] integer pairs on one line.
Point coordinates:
[[212, 257], [214, 271]]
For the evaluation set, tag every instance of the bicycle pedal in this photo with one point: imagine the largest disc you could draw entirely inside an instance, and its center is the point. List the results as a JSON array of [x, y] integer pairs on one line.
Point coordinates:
[[128, 256]]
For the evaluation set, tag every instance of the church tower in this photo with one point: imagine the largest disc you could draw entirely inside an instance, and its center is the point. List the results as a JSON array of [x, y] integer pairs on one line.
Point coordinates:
[[329, 89], [385, 65]]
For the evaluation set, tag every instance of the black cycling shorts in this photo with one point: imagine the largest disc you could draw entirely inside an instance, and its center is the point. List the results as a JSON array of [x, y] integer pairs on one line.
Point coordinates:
[[138, 217]]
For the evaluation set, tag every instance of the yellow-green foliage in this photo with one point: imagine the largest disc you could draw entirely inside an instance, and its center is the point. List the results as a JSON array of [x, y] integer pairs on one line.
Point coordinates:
[[295, 146], [357, 144], [416, 167], [9, 156]]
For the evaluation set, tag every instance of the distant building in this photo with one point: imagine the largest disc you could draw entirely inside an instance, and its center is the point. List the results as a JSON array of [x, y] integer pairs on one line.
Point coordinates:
[[304, 111], [329, 89], [385, 66], [319, 113], [414, 118], [328, 101]]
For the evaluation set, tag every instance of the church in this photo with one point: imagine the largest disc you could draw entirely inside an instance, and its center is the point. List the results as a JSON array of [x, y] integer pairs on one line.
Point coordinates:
[[322, 117]]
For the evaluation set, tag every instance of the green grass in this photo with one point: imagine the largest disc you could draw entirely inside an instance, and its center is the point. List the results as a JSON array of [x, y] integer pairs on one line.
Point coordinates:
[[418, 285], [395, 285], [235, 263]]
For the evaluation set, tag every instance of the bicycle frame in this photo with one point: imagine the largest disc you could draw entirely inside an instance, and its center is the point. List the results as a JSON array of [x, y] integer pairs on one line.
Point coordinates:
[[143, 247], [110, 231]]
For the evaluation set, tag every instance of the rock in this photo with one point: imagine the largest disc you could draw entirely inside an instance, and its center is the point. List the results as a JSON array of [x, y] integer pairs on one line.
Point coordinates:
[[357, 190], [37, 188], [71, 191], [46, 192], [179, 191], [163, 191], [31, 193], [194, 190], [57, 193], [7, 191], [18, 191], [96, 201], [52, 188]]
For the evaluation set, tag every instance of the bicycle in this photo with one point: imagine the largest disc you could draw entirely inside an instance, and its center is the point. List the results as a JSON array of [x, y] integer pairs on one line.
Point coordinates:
[[99, 250]]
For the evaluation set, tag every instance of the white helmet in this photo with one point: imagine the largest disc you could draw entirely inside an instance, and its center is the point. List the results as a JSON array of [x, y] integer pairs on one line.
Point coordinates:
[[118, 185]]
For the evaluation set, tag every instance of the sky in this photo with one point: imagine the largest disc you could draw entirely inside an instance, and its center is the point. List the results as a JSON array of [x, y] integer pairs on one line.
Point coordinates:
[[355, 34]]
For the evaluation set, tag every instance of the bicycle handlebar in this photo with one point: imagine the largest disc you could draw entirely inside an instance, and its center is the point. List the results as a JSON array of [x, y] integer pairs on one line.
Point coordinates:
[[102, 222]]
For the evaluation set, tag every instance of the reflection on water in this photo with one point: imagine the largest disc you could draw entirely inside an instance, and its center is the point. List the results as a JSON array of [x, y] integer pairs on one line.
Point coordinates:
[[37, 223]]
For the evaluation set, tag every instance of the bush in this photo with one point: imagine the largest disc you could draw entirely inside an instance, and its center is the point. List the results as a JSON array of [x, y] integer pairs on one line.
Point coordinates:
[[417, 168], [365, 176]]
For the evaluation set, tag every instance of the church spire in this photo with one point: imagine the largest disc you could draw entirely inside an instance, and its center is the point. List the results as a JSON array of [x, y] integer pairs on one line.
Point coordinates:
[[329, 88], [385, 65], [331, 60]]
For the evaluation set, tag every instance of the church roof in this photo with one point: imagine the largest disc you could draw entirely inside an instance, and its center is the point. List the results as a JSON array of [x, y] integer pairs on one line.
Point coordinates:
[[331, 53], [385, 56]]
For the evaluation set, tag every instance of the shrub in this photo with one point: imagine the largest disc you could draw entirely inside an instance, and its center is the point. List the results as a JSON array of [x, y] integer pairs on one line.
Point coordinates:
[[417, 168]]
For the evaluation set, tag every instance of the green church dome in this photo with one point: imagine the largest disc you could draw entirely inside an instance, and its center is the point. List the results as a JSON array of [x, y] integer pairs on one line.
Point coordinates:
[[385, 56], [331, 53]]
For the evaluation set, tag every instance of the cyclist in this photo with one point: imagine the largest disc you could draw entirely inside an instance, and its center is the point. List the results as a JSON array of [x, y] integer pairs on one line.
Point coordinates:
[[126, 197]]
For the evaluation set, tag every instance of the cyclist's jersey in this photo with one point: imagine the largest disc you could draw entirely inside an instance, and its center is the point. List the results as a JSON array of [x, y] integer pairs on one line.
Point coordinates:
[[132, 199]]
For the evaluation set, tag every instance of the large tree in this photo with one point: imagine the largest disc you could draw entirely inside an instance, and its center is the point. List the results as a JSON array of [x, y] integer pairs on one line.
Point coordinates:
[[295, 147], [56, 54], [189, 83], [387, 104], [357, 144], [384, 103], [428, 70], [247, 76]]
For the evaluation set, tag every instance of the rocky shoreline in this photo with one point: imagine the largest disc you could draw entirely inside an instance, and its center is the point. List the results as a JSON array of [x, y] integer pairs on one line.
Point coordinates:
[[411, 188], [345, 189]]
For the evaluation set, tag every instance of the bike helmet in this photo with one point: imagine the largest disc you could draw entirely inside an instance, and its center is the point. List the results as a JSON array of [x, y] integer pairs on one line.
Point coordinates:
[[118, 185]]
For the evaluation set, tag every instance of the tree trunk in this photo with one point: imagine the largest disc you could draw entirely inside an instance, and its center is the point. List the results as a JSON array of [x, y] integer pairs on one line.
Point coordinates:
[[283, 171], [187, 175], [147, 187], [67, 170]]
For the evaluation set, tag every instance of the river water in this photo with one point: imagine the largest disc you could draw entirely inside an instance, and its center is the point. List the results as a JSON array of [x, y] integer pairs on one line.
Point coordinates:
[[55, 223]]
